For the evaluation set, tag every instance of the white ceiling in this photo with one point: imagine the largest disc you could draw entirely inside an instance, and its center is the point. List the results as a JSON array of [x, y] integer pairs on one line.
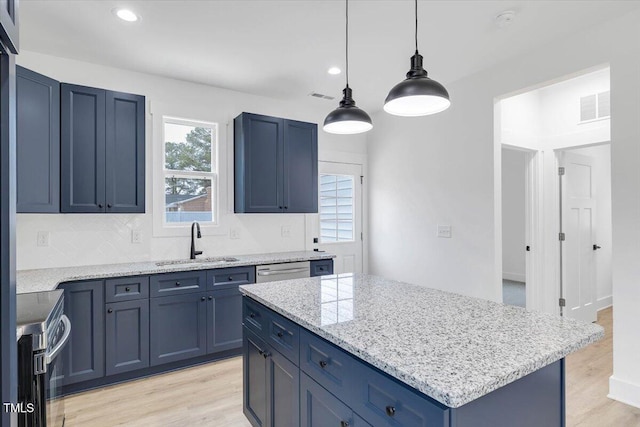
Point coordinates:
[[283, 49]]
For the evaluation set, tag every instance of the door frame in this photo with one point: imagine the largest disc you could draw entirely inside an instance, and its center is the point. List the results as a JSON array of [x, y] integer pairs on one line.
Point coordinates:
[[354, 159], [533, 224]]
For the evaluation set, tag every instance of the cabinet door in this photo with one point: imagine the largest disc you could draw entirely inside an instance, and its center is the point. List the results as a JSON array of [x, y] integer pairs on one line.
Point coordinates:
[[82, 149], [125, 144], [178, 327], [254, 390], [319, 408], [84, 353], [258, 164], [321, 267], [225, 320], [300, 171], [283, 388], [9, 20], [37, 142], [127, 336]]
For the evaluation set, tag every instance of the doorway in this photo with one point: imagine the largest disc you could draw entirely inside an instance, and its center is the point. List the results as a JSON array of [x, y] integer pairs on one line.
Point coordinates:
[[340, 214]]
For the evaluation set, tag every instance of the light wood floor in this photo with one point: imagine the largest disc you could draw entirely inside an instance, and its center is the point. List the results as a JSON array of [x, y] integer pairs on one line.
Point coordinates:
[[211, 395]]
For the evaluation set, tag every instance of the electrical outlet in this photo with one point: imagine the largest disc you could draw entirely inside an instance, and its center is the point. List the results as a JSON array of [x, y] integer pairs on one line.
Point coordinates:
[[234, 233], [43, 238], [136, 236], [444, 231], [285, 231]]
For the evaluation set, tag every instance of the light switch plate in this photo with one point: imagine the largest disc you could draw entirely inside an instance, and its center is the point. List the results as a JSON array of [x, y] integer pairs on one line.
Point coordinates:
[[234, 233], [444, 231], [136, 236], [286, 231]]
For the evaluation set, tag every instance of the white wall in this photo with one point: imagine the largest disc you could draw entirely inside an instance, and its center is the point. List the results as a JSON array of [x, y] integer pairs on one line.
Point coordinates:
[[513, 214], [82, 239], [440, 168]]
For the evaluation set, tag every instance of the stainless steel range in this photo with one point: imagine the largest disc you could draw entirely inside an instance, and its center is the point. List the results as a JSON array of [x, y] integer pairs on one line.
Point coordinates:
[[45, 330]]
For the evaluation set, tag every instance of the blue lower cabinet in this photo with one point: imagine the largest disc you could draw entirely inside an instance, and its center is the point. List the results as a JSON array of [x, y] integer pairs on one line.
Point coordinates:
[[321, 267], [178, 327], [83, 355], [319, 408], [383, 401], [224, 314], [271, 385], [127, 336]]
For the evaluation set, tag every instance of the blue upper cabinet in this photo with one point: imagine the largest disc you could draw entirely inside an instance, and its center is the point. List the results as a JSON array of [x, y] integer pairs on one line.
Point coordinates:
[[38, 142], [124, 164], [276, 165], [9, 34], [102, 151]]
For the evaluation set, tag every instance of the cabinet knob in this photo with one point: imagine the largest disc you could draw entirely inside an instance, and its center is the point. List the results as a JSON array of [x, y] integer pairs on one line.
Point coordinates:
[[266, 354], [230, 278], [390, 410], [100, 205], [210, 298], [344, 423], [109, 205], [280, 334], [203, 299], [323, 364], [177, 283], [286, 207], [279, 207], [110, 310], [127, 289], [252, 315]]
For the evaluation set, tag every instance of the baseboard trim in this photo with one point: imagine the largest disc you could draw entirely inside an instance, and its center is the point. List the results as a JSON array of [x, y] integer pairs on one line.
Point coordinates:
[[516, 277], [623, 391], [603, 303]]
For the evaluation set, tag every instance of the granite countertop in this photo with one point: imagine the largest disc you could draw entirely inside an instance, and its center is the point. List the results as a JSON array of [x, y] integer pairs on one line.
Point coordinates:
[[452, 348], [47, 279]]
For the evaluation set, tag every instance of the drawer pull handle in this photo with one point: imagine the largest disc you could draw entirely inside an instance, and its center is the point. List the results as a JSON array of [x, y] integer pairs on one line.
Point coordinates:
[[390, 410], [110, 310], [127, 289], [177, 283], [280, 334], [344, 423], [323, 364], [252, 315], [203, 299]]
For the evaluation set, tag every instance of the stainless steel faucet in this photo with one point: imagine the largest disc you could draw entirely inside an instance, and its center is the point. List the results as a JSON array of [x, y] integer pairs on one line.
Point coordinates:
[[195, 226]]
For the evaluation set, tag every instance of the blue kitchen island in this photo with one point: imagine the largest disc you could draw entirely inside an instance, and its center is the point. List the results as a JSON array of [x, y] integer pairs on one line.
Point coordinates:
[[359, 350]]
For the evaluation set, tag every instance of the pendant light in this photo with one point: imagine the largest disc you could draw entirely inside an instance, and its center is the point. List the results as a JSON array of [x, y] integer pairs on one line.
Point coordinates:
[[418, 95], [347, 118]]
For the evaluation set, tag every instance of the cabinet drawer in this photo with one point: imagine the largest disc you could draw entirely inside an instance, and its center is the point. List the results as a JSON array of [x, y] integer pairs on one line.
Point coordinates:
[[382, 401], [126, 288], [321, 267], [230, 277], [254, 317], [284, 336], [178, 283], [329, 366]]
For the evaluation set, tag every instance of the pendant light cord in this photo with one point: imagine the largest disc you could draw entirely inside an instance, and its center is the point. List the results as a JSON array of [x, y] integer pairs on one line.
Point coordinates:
[[416, 3], [346, 47]]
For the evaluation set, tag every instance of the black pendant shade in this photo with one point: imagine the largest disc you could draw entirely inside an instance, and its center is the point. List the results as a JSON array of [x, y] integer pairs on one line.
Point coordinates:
[[418, 95], [347, 118]]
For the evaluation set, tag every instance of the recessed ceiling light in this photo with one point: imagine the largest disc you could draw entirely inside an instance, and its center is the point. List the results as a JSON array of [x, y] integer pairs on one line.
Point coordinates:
[[504, 19], [126, 15], [334, 71]]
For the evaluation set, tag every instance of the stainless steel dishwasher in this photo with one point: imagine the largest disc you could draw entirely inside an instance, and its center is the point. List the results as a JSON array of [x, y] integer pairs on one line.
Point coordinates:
[[284, 271]]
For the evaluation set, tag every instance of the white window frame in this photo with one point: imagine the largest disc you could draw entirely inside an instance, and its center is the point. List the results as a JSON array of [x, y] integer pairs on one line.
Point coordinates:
[[353, 212], [213, 175]]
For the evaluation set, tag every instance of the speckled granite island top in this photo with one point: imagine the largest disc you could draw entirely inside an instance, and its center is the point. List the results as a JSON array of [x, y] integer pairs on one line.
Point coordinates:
[[47, 279], [452, 348]]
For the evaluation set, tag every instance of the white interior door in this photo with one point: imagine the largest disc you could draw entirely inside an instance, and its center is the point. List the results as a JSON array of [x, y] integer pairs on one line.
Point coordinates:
[[578, 222], [340, 214]]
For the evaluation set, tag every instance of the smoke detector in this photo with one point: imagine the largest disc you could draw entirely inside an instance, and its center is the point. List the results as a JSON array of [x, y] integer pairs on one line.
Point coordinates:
[[504, 19]]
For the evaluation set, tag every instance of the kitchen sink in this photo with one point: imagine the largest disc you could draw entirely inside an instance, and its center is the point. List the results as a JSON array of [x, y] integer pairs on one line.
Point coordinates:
[[210, 260]]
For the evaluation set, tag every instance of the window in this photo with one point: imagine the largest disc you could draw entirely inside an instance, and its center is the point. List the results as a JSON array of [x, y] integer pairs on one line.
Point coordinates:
[[190, 171], [336, 208], [594, 107]]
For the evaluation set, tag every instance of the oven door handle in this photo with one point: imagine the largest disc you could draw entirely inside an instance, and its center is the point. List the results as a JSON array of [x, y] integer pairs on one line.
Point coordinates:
[[276, 272], [56, 350]]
